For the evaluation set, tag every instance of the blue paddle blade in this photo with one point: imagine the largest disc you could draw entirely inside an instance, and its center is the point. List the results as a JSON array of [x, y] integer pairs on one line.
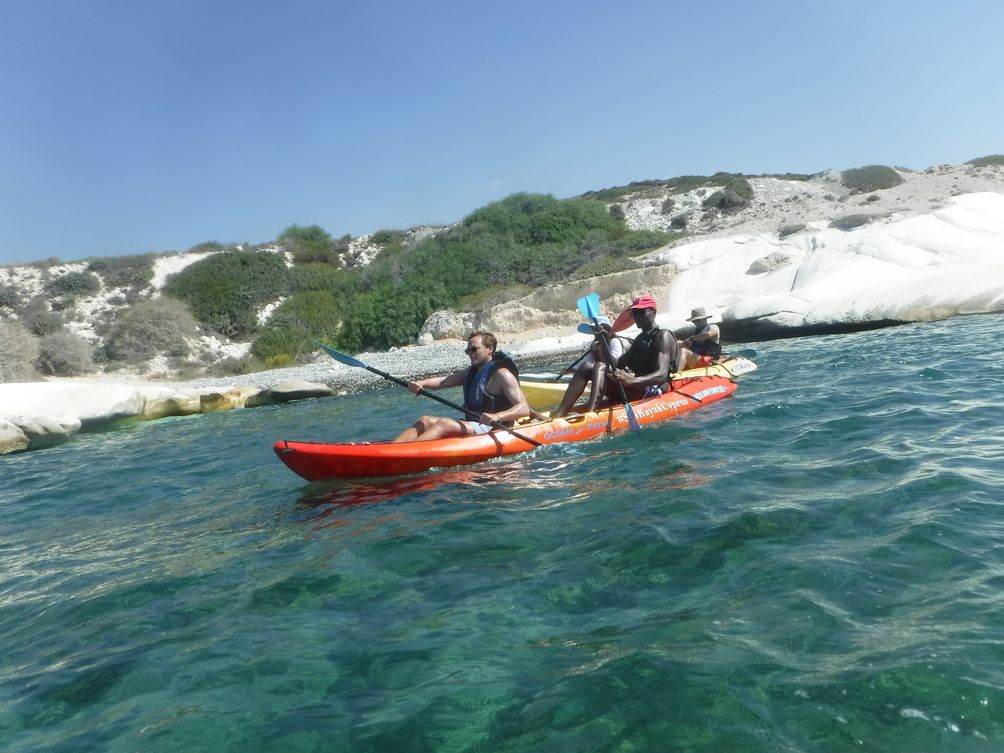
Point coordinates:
[[340, 357], [633, 424], [589, 305]]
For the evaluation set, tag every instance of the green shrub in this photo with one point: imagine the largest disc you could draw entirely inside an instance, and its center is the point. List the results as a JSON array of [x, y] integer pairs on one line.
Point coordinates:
[[280, 361], [18, 351], [206, 247], [387, 238], [40, 319], [148, 328], [604, 265], [225, 291], [282, 341], [726, 200], [309, 244], [617, 212], [230, 366], [990, 159], [538, 219], [668, 205], [318, 311], [870, 178], [389, 316], [74, 284], [741, 188], [132, 271], [305, 277], [9, 297], [65, 354]]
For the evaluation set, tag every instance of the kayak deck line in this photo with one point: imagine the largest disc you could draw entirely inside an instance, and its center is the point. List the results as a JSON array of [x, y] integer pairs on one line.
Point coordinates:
[[316, 461]]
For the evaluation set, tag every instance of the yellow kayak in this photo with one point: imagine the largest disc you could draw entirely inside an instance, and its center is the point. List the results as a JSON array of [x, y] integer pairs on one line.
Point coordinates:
[[545, 391]]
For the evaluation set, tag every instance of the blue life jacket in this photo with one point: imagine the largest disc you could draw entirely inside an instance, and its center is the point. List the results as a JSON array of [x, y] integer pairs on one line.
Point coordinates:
[[476, 396]]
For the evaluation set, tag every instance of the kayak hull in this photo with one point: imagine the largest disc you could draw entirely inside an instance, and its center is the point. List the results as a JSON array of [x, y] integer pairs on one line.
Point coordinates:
[[316, 461], [544, 391]]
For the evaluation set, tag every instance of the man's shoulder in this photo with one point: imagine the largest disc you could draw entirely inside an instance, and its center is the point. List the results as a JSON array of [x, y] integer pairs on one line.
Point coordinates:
[[504, 374]]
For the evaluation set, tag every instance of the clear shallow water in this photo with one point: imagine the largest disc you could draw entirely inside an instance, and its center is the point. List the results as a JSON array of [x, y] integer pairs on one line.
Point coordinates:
[[814, 565]]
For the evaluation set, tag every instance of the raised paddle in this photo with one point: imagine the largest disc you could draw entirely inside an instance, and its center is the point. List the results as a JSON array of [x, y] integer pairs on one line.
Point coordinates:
[[350, 361], [589, 305], [623, 320]]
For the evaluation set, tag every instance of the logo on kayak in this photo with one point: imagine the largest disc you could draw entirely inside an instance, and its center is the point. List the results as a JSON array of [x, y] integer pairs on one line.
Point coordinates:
[[652, 410], [720, 389], [558, 433]]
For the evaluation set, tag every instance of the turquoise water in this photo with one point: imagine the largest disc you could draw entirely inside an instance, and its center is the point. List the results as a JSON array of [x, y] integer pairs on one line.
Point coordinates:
[[814, 565]]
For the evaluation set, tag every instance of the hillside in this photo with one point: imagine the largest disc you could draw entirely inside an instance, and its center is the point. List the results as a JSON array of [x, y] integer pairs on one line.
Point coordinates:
[[515, 266]]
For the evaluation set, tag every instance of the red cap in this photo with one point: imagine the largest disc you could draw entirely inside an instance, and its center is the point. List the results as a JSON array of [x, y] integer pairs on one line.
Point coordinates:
[[644, 302]]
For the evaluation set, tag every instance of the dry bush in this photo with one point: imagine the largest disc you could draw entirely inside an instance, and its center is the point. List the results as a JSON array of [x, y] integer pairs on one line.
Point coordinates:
[[64, 353], [148, 328], [18, 351]]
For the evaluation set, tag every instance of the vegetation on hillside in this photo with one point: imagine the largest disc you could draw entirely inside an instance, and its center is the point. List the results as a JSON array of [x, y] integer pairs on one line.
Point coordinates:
[[18, 351], [870, 178], [225, 290], [131, 272], [312, 244], [63, 353], [525, 240], [74, 284], [990, 159], [149, 328], [678, 185]]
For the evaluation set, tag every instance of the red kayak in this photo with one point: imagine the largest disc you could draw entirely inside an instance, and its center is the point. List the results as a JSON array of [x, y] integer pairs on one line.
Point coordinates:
[[315, 461]]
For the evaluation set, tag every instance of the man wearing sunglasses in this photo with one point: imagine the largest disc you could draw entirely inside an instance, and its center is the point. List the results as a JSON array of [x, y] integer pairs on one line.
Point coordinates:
[[491, 389]]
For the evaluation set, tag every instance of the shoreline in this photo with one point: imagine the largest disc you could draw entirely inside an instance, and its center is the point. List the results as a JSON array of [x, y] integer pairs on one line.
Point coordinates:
[[39, 415]]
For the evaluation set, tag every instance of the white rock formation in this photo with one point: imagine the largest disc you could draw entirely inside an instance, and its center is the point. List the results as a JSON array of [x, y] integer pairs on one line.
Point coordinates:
[[917, 268]]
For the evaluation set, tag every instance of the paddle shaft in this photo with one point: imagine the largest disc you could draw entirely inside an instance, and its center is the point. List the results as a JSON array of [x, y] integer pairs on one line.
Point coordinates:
[[605, 344], [576, 362]]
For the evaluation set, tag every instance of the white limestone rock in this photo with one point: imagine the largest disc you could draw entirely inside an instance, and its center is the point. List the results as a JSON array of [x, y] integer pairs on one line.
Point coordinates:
[[288, 391], [47, 431], [12, 439], [917, 268]]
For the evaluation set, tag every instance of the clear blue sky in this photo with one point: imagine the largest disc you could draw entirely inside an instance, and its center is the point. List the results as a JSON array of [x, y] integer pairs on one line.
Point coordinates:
[[151, 125]]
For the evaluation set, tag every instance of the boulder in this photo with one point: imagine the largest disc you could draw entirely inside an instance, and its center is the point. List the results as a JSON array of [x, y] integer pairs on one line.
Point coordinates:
[[179, 405], [236, 397], [12, 439], [45, 431], [445, 324], [285, 392]]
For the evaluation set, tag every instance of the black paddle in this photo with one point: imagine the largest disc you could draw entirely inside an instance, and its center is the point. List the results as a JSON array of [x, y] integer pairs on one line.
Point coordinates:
[[589, 305], [350, 361], [573, 364]]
